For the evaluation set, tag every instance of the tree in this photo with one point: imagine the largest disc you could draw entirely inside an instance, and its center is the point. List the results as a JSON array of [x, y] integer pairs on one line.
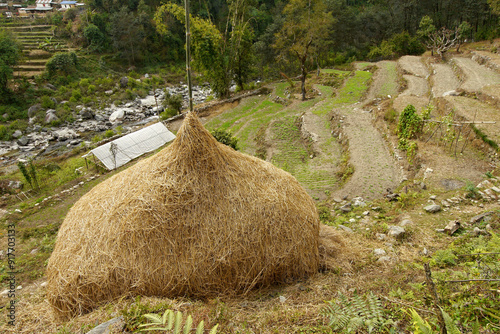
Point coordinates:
[[9, 56], [127, 35], [440, 40], [96, 41], [306, 24], [220, 57], [464, 30], [495, 6]]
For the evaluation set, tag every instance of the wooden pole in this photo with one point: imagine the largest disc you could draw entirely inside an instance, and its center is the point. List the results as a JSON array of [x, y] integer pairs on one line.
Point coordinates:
[[434, 295], [188, 56]]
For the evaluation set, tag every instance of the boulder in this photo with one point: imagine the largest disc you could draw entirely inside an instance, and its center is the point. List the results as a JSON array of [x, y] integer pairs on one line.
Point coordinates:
[[17, 134], [33, 109], [396, 232], [50, 116], [23, 141], [117, 116], [432, 208], [123, 82]]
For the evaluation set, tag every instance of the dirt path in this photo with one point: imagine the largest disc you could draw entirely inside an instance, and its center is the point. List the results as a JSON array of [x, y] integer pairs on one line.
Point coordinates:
[[475, 76], [413, 65], [443, 80], [417, 92], [417, 86], [385, 81], [375, 169]]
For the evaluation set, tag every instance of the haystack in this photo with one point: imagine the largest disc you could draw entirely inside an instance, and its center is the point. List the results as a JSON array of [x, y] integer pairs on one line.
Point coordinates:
[[197, 219]]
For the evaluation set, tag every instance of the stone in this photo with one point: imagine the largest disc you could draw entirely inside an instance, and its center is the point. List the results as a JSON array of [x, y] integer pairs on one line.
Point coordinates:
[[379, 252], [452, 227], [4, 292], [432, 208], [495, 189], [423, 186], [358, 201], [50, 116], [477, 231], [86, 114], [384, 259], [33, 109], [484, 184], [50, 86], [34, 251], [123, 82], [65, 134], [19, 287], [479, 218], [23, 141], [433, 197], [451, 184], [451, 93], [405, 222], [53, 99], [44, 284], [104, 327], [490, 193], [117, 116], [427, 172], [445, 203], [352, 220], [346, 208], [346, 229], [381, 236], [17, 134], [108, 92], [366, 213], [396, 232]]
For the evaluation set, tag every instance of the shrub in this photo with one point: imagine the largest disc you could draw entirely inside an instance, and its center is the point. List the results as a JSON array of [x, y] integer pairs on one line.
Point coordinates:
[[61, 63], [173, 102], [225, 137], [47, 102], [109, 133], [410, 124], [167, 114], [76, 94]]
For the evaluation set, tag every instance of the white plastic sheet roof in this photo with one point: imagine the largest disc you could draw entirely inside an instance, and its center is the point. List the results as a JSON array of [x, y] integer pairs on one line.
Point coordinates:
[[120, 151]]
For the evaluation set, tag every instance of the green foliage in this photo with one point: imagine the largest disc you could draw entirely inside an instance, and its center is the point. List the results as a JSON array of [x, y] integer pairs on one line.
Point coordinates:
[[443, 258], [96, 41], [172, 323], [421, 326], [410, 123], [350, 315], [398, 45], [173, 102], [109, 133], [167, 114], [225, 137], [471, 189], [30, 174], [9, 56], [25, 173], [47, 102], [61, 64]]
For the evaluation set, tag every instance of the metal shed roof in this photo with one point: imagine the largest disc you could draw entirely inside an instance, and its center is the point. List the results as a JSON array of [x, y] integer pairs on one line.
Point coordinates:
[[120, 151]]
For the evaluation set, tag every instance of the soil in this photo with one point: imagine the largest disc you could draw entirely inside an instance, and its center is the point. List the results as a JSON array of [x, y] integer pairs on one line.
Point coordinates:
[[475, 76], [443, 80]]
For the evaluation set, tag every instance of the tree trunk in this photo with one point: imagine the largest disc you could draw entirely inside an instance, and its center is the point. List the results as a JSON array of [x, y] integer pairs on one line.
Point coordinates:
[[303, 77]]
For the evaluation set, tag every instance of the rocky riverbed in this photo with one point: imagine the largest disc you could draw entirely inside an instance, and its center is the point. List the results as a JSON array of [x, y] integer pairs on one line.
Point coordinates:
[[41, 139]]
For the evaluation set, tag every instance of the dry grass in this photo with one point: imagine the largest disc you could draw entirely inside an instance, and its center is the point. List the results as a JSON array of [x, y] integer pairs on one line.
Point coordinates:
[[197, 219]]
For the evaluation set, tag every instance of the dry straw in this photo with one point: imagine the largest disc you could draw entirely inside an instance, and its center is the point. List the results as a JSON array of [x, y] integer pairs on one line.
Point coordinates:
[[197, 219]]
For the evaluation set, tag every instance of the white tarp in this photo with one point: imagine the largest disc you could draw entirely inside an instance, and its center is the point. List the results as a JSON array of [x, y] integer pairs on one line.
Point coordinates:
[[120, 151]]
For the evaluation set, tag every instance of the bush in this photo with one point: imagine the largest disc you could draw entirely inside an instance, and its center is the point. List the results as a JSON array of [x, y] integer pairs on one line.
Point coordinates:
[[47, 102], [76, 94], [173, 102], [61, 63], [225, 137], [167, 114], [109, 133]]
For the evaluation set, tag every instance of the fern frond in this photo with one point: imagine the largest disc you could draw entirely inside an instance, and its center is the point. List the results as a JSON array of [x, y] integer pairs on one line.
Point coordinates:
[[178, 322], [451, 328], [188, 325], [214, 329], [201, 328]]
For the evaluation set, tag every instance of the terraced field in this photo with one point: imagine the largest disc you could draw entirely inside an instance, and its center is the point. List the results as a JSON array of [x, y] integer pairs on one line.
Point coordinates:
[[38, 44]]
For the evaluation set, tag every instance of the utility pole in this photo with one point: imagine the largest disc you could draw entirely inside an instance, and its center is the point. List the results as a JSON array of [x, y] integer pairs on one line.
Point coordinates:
[[188, 56]]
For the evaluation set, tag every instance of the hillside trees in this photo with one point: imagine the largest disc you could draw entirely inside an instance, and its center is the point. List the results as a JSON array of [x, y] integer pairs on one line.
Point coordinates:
[[9, 56], [127, 34], [306, 25], [221, 57], [443, 39]]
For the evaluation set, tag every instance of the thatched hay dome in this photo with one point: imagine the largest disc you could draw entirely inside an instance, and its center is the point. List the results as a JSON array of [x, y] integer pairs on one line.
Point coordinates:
[[196, 219]]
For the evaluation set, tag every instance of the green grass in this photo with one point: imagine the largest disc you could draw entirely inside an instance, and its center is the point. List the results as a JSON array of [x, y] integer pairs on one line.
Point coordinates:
[[354, 88], [333, 71]]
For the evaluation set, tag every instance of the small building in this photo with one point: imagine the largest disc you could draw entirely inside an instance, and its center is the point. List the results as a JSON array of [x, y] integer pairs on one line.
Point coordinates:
[[65, 5], [43, 4]]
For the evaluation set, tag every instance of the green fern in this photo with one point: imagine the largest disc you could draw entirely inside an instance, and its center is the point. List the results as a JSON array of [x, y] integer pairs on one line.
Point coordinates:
[[421, 326], [172, 323], [350, 315]]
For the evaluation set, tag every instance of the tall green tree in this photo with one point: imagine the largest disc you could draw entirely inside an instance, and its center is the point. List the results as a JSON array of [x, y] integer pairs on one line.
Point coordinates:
[[10, 52], [127, 34], [306, 25]]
